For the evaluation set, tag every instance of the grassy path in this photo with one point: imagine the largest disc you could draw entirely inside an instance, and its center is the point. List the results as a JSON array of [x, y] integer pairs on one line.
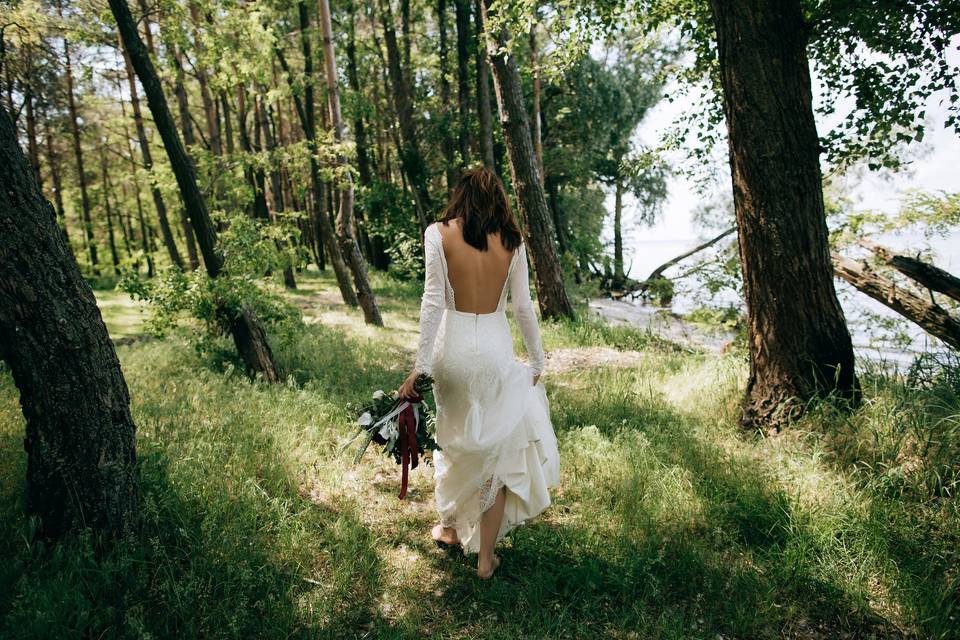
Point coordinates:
[[668, 524]]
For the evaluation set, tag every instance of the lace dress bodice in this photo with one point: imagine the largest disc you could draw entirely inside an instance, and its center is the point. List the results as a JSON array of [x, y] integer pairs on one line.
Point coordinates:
[[439, 296]]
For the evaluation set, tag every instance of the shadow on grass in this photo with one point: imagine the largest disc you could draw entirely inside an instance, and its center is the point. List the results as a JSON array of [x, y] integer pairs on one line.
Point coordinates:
[[219, 552]]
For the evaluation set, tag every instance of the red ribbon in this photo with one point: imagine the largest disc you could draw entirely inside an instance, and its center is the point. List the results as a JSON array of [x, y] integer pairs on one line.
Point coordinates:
[[407, 425]]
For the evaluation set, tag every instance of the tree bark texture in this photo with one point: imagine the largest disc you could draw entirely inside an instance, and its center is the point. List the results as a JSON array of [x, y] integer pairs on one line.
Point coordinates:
[[81, 461], [248, 334], [537, 222], [799, 343]]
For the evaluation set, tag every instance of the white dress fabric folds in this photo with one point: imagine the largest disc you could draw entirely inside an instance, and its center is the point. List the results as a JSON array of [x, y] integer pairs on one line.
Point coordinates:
[[493, 424]]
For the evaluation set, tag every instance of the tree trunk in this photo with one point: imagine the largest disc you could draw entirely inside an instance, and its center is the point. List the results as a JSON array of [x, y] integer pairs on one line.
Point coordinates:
[[33, 149], [449, 146], [53, 159], [799, 344], [931, 318], [145, 239], [618, 277], [464, 35], [410, 156], [348, 243], [484, 115], [147, 156], [186, 125], [538, 225], [359, 128], [535, 116], [925, 274], [80, 444], [206, 98], [78, 156], [276, 186], [111, 237], [321, 223], [248, 334]]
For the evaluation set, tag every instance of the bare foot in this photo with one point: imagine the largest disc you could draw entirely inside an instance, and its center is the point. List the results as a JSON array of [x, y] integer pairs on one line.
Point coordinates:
[[485, 571], [445, 535]]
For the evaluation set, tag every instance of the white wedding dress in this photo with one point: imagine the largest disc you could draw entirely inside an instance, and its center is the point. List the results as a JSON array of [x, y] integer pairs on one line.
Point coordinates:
[[493, 424]]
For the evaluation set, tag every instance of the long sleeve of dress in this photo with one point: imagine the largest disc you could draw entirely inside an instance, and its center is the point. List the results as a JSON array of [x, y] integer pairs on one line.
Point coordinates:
[[523, 311], [433, 301]]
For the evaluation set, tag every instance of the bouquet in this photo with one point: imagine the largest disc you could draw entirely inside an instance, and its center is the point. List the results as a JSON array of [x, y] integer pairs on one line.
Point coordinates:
[[403, 427]]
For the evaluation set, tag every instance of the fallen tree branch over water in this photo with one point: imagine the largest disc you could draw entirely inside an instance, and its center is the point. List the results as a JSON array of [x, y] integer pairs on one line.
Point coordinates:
[[925, 274], [641, 287], [932, 318]]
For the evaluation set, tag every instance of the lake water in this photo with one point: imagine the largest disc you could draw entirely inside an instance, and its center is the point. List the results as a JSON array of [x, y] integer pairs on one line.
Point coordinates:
[[647, 254]]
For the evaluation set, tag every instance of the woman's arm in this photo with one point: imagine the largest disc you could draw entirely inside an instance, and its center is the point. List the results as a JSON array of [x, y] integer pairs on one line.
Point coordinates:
[[431, 308], [523, 312]]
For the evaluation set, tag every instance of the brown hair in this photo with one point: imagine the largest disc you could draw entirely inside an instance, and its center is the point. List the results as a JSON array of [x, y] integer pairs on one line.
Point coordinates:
[[481, 203]]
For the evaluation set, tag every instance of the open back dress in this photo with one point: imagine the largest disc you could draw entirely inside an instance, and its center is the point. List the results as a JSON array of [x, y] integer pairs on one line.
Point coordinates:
[[493, 423]]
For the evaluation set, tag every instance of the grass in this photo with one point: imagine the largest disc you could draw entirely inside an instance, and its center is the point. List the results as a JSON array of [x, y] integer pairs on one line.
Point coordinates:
[[669, 523]]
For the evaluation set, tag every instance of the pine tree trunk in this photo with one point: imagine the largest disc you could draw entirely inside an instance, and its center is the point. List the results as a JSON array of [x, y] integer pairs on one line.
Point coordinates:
[[33, 149], [248, 334], [81, 459], [799, 344], [145, 240], [78, 156], [538, 225], [147, 156], [186, 126], [53, 159], [464, 35], [618, 233], [348, 243], [328, 247], [411, 157], [484, 115], [449, 146], [111, 237], [535, 116], [276, 186]]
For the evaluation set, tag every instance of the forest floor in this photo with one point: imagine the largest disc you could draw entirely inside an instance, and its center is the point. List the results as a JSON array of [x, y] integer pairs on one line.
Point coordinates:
[[669, 521]]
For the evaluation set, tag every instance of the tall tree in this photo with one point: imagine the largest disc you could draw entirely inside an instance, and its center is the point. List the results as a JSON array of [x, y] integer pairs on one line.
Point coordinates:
[[306, 110], [81, 461], [411, 157], [248, 334], [484, 115], [799, 343], [464, 37], [78, 153], [147, 156], [449, 146], [525, 177], [348, 243]]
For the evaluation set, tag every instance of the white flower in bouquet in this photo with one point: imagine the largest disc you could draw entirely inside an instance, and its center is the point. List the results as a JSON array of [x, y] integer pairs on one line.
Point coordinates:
[[365, 419], [389, 430], [378, 394]]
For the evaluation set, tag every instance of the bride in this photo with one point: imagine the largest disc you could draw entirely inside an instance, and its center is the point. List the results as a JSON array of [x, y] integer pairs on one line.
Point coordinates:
[[498, 450]]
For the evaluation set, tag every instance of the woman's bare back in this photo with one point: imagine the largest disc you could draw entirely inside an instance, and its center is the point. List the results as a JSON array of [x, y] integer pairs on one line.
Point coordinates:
[[477, 277]]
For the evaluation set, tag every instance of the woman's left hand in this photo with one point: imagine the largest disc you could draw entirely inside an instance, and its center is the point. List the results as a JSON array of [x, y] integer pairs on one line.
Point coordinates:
[[407, 390]]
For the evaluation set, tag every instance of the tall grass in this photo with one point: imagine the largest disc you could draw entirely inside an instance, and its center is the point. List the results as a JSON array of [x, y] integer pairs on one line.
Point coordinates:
[[669, 522]]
